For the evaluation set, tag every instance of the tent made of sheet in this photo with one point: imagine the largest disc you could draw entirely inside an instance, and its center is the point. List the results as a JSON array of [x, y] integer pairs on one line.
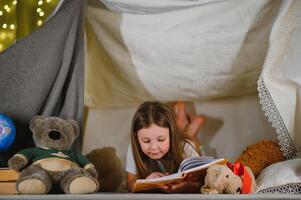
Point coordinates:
[[236, 62]]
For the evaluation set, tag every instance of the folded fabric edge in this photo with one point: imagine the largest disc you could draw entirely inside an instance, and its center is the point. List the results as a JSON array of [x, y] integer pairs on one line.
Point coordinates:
[[268, 106]]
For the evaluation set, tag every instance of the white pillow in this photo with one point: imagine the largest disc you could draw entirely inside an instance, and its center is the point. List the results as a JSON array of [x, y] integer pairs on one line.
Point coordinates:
[[281, 177]]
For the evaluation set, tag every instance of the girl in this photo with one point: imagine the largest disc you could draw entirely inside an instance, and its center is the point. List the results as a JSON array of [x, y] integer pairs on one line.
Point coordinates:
[[157, 147]]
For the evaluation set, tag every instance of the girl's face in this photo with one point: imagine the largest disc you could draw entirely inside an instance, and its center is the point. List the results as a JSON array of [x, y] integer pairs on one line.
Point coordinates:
[[154, 141]]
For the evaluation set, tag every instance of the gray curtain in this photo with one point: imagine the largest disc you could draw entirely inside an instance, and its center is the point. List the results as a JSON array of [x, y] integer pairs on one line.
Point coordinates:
[[43, 74]]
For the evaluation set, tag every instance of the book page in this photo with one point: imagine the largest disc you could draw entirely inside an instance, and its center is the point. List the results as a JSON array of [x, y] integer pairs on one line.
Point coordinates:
[[192, 162], [221, 161]]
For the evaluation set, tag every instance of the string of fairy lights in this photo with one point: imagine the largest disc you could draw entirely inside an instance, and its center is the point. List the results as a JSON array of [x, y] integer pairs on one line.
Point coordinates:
[[19, 18]]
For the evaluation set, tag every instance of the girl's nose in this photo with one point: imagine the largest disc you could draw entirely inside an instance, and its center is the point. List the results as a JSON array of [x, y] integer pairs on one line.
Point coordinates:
[[153, 145]]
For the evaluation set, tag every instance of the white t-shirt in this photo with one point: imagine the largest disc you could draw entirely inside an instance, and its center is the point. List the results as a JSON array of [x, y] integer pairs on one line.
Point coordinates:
[[189, 151]]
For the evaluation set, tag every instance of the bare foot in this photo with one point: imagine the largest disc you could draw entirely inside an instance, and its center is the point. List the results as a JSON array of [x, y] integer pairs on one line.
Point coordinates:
[[194, 127], [189, 124]]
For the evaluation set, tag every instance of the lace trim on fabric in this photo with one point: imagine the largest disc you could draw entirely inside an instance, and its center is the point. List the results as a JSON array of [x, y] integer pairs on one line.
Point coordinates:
[[291, 188], [271, 111]]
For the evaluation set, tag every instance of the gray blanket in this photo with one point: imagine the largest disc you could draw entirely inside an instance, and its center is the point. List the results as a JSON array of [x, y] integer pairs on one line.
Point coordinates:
[[42, 74]]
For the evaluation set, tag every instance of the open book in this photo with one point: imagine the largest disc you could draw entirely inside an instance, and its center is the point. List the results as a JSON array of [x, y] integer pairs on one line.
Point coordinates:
[[196, 166]]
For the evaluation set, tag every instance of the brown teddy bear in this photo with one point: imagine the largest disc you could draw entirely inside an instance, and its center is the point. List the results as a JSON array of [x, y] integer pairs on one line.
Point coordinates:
[[109, 168], [53, 161], [231, 179], [260, 155]]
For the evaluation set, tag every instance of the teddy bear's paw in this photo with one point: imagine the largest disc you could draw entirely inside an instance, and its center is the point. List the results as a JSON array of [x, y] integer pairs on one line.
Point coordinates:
[[83, 185], [31, 186], [208, 190], [17, 162]]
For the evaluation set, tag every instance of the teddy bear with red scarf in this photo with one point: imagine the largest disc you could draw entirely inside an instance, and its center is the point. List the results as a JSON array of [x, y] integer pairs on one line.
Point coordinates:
[[229, 179]]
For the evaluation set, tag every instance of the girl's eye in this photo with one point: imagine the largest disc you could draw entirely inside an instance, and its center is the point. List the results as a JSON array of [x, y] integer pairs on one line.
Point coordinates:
[[161, 140], [146, 141]]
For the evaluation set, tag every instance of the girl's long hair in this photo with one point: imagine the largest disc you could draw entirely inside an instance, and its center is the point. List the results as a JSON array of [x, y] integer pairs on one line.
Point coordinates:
[[160, 114]]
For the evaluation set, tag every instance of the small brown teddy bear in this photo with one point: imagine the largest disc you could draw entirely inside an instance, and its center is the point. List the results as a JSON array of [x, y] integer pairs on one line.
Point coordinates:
[[109, 168], [260, 155], [53, 161], [231, 179], [256, 156]]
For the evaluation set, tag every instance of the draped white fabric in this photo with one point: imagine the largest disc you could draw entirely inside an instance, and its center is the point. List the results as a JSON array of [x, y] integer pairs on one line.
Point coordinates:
[[280, 82], [200, 51], [171, 50]]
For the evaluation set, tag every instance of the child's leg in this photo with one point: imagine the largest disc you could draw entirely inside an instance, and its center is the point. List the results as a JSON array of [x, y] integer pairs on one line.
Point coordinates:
[[194, 127], [189, 124], [181, 115]]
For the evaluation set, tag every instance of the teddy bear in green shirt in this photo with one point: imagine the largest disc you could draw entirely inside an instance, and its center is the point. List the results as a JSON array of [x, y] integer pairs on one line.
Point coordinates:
[[53, 161]]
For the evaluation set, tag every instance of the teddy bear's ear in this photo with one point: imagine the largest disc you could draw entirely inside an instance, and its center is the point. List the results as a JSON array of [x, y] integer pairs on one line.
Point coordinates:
[[75, 126], [35, 120]]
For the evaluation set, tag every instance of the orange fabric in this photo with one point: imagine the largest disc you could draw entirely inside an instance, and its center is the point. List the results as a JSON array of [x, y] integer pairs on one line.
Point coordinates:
[[240, 170], [246, 182]]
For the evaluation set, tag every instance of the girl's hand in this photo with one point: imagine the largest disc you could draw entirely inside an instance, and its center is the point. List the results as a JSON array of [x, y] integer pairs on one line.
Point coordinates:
[[156, 175], [190, 185], [183, 187]]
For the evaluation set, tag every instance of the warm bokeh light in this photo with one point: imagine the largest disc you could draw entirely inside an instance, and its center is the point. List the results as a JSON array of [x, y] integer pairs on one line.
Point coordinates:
[[19, 18], [40, 22], [41, 13]]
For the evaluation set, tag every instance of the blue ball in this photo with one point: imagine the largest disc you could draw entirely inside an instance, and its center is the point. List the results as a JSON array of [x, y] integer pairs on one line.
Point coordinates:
[[7, 132]]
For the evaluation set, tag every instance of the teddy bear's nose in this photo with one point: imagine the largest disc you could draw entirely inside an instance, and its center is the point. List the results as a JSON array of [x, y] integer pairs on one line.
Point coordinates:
[[55, 135]]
